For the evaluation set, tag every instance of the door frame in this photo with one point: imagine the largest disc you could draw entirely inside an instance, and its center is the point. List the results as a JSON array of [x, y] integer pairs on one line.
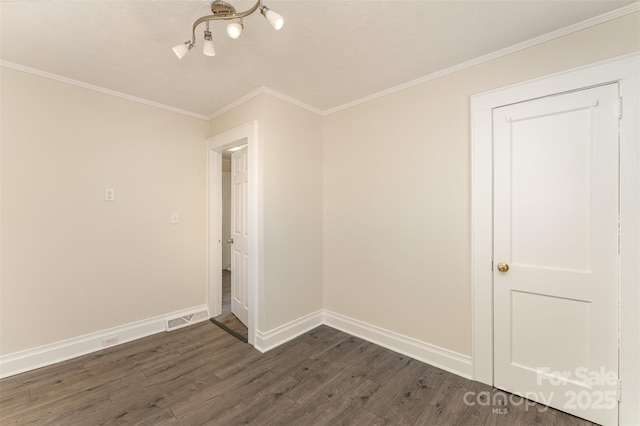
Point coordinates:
[[247, 133], [626, 71]]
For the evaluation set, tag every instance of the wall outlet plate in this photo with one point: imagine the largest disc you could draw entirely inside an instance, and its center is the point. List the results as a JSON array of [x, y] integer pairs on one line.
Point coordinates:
[[109, 341], [109, 194]]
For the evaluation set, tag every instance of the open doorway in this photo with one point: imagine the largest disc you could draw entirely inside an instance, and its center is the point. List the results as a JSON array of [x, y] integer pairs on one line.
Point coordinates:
[[226, 232], [242, 241], [234, 315]]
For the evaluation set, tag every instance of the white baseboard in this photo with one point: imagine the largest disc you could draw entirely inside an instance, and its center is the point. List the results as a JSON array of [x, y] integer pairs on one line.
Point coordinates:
[[445, 359], [266, 341], [42, 356], [61, 351]]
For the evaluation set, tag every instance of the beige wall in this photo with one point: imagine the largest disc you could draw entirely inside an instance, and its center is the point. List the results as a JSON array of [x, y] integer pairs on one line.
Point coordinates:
[[73, 263], [292, 212], [366, 211], [397, 191], [291, 163]]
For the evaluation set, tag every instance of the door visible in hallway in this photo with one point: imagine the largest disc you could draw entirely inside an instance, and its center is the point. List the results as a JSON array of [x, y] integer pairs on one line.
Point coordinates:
[[556, 230], [239, 235], [226, 217]]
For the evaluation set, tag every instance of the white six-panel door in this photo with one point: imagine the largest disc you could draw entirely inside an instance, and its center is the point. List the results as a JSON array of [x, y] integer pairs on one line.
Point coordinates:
[[556, 229], [240, 237]]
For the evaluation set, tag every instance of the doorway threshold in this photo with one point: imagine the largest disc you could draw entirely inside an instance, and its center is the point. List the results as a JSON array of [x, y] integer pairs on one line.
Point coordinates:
[[233, 326]]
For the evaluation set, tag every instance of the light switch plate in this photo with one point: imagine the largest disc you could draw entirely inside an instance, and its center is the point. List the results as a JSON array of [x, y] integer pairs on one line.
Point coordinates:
[[109, 194]]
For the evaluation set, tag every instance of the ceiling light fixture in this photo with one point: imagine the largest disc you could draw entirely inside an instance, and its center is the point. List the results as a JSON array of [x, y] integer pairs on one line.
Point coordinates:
[[276, 20], [235, 29], [208, 48], [224, 11]]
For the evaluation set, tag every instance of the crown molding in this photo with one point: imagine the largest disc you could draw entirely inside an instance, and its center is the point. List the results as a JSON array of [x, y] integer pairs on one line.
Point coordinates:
[[99, 89], [635, 7], [292, 101], [236, 103], [264, 90]]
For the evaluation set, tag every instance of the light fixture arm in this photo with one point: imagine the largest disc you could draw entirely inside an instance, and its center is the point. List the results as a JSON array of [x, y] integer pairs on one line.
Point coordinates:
[[223, 16], [221, 10]]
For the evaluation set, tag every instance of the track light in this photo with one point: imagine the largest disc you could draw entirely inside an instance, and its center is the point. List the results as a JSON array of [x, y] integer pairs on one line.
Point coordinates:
[[208, 48], [223, 10], [182, 49], [276, 20], [234, 30]]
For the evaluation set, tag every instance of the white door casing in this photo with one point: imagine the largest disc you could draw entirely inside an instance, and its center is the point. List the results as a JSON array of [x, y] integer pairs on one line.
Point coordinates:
[[626, 71], [556, 227], [239, 236]]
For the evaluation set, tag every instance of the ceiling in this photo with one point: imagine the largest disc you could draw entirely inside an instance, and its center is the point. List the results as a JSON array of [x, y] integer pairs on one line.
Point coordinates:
[[329, 53]]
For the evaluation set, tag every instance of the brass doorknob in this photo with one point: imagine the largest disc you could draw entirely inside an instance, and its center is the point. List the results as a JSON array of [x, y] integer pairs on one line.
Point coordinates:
[[503, 267]]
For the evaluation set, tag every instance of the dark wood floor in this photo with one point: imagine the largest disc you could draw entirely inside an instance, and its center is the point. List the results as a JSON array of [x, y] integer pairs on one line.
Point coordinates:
[[233, 325], [227, 320], [202, 375]]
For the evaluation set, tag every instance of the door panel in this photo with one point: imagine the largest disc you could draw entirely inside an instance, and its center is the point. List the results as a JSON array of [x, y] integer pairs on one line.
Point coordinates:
[[556, 226], [550, 190], [239, 233], [533, 312]]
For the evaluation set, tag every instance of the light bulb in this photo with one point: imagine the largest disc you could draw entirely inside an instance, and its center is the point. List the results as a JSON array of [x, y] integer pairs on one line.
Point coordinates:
[[182, 49], [275, 19], [234, 30], [208, 47]]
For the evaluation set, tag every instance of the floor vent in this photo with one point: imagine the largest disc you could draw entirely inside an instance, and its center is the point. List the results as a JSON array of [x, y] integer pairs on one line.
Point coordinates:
[[185, 320]]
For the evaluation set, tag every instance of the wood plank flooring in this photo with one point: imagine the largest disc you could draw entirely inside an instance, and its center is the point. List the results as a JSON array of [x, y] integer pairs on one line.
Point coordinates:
[[227, 320], [202, 375], [233, 325]]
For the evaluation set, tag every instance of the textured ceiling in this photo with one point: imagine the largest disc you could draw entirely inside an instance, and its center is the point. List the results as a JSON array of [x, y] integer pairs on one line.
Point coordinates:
[[330, 52]]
